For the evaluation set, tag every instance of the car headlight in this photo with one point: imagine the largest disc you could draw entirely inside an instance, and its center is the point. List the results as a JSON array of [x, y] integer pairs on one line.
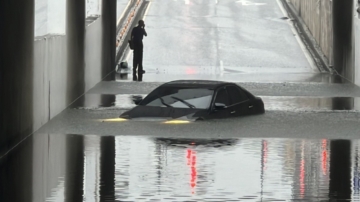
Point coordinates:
[[114, 120], [176, 122]]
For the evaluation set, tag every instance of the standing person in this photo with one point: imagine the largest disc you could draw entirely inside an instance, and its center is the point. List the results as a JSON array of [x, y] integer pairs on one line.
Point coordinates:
[[137, 35]]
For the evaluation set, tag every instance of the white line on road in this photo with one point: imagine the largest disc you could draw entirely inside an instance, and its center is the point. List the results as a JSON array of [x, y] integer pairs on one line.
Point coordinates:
[[128, 56], [221, 66], [249, 3], [147, 10]]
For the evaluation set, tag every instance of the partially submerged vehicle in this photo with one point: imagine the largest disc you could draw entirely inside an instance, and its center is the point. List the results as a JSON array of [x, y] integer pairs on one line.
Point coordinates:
[[191, 100]]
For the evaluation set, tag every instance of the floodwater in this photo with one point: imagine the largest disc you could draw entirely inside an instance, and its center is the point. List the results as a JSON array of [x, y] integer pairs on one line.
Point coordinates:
[[283, 103], [56, 167]]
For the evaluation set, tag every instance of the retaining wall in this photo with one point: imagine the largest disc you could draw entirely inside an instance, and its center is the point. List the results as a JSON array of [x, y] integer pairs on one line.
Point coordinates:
[[333, 27], [40, 78], [317, 15], [357, 42]]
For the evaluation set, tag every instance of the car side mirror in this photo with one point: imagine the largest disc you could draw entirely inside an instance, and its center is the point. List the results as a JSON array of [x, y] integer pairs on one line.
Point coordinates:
[[137, 99], [220, 106]]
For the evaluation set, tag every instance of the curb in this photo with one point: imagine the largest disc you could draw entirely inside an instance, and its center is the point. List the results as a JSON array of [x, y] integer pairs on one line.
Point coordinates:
[[318, 56]]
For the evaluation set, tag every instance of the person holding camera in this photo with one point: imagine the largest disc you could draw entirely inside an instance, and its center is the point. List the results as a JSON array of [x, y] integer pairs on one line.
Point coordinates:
[[137, 35]]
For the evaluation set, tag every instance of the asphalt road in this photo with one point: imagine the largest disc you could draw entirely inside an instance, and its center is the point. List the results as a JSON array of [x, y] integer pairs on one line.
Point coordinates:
[[221, 40]]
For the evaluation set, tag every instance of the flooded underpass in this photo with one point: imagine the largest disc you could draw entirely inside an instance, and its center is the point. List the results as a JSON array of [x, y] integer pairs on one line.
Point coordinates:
[[304, 148], [57, 167]]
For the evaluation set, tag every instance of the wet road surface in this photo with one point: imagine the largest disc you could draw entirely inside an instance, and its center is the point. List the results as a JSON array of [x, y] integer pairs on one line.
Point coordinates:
[[304, 148], [222, 40]]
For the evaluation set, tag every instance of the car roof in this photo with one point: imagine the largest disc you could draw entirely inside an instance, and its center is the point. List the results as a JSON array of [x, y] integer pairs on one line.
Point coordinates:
[[197, 83]]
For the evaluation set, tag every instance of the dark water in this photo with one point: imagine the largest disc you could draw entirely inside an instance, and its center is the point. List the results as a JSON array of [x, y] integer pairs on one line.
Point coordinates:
[[61, 167]]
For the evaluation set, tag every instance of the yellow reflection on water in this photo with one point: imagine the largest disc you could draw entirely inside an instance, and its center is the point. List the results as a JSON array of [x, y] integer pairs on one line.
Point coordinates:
[[114, 120]]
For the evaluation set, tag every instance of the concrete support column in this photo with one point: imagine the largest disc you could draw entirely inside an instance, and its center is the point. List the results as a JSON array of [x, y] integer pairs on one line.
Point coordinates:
[[108, 18], [340, 170], [75, 31], [107, 168], [16, 71], [16, 174], [74, 176], [343, 38]]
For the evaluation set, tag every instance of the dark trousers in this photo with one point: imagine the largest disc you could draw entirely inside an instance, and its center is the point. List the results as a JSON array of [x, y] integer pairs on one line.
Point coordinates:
[[137, 61]]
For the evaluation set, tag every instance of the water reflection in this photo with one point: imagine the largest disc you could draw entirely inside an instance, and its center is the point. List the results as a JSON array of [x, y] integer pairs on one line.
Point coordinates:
[[59, 167]]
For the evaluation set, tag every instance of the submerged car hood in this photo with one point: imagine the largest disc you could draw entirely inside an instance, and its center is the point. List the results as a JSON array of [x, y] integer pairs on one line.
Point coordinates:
[[162, 112]]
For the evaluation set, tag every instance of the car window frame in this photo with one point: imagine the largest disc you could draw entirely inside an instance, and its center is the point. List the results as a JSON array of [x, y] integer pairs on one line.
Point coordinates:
[[209, 107], [216, 91], [239, 89]]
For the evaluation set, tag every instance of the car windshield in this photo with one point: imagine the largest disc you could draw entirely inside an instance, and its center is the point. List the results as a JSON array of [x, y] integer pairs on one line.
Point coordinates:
[[179, 97]]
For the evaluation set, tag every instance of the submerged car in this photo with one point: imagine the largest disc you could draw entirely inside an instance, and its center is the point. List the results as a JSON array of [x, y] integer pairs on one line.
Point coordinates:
[[191, 142], [193, 100]]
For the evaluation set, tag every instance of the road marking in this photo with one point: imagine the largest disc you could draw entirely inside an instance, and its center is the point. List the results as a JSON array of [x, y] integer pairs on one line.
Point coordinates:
[[147, 10], [221, 66], [249, 3]]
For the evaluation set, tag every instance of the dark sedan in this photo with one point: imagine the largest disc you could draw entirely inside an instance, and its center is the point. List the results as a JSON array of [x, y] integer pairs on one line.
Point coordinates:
[[191, 100]]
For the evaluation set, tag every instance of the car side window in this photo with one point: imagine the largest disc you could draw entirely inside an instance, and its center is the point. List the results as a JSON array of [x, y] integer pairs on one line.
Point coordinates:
[[236, 95], [222, 96]]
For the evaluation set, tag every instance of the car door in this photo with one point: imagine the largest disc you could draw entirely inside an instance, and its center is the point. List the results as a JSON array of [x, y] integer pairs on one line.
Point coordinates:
[[221, 97], [239, 102]]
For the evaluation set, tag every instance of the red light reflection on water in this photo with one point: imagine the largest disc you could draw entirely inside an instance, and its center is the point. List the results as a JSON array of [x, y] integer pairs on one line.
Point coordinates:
[[302, 172], [265, 154], [302, 178], [191, 161], [324, 156]]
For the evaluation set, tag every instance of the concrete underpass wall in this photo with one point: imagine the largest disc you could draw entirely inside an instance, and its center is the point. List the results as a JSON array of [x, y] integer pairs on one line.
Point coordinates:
[[357, 43], [331, 25], [40, 77], [49, 75], [317, 15], [93, 51]]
